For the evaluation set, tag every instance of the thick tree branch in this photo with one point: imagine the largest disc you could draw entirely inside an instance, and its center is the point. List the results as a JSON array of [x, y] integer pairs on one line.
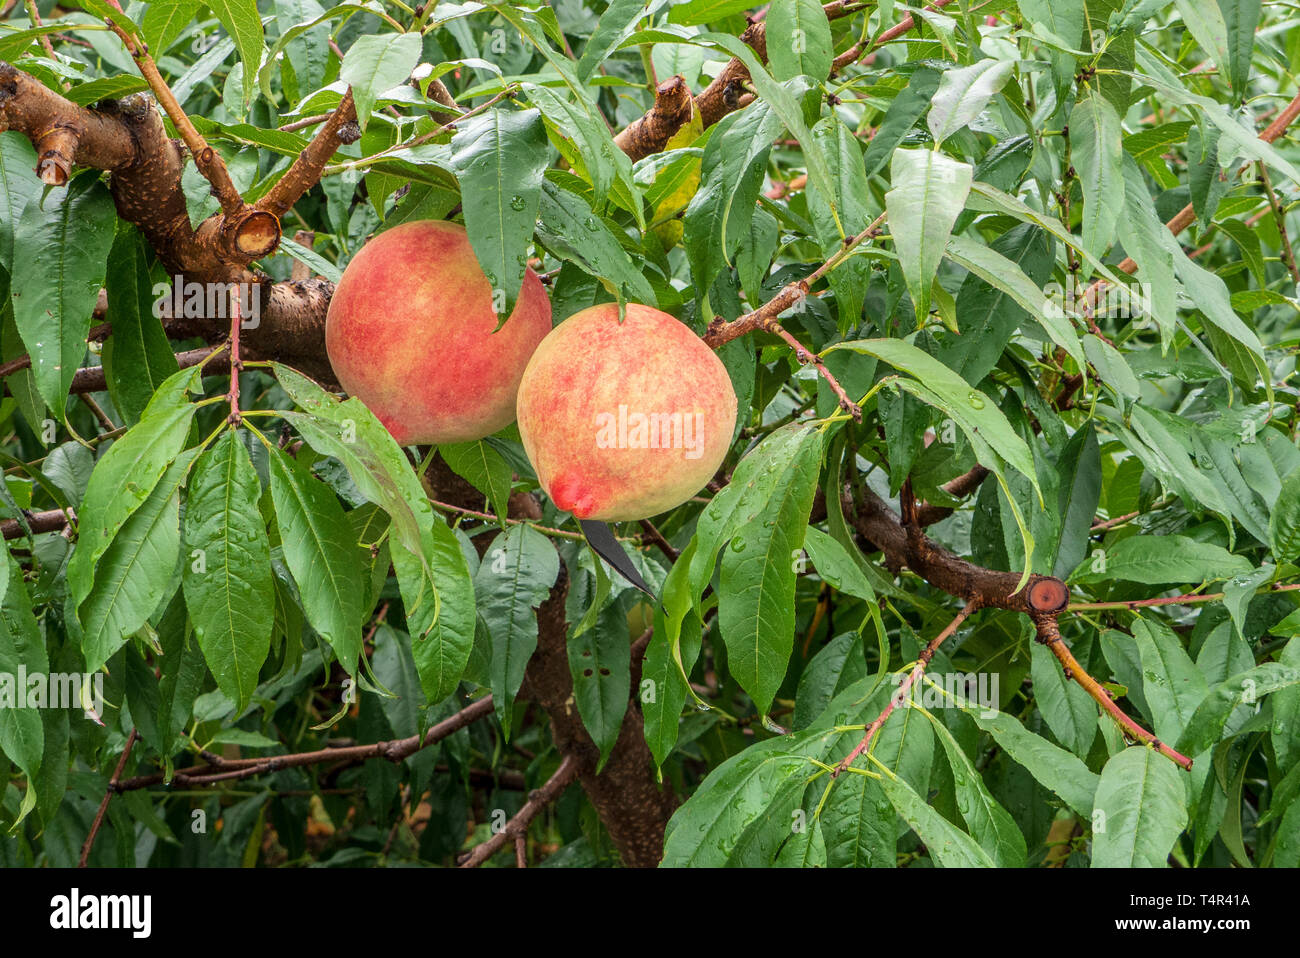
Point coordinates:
[[650, 133], [989, 588]]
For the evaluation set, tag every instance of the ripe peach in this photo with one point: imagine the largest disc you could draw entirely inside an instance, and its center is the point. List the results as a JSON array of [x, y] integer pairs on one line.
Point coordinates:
[[624, 421], [410, 332]]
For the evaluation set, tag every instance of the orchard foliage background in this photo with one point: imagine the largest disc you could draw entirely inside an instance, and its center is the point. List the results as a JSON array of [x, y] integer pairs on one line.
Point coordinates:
[[1008, 300]]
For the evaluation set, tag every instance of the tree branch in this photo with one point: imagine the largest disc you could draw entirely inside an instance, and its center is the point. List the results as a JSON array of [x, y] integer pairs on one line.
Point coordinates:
[[395, 750], [103, 805], [517, 828], [905, 686], [1049, 634]]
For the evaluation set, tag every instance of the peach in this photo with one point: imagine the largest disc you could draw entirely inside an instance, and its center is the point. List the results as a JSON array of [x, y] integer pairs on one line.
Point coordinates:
[[410, 333], [624, 421]]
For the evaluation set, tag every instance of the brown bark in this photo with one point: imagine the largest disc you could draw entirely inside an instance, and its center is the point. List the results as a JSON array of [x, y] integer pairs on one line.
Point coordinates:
[[651, 133], [989, 588], [630, 803]]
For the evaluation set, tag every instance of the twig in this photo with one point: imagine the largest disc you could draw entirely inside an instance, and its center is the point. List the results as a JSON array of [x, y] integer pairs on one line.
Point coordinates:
[[97, 411], [1050, 635], [307, 169], [208, 160], [657, 537], [852, 54], [236, 364], [1288, 254], [1187, 599], [305, 122], [395, 750], [1185, 217], [517, 827], [35, 14], [764, 318], [905, 686], [108, 796]]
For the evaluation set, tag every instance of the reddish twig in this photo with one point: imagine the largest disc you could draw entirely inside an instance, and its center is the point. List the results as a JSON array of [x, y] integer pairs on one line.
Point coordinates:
[[103, 805], [395, 750], [899, 697], [1050, 635], [1187, 599], [517, 827]]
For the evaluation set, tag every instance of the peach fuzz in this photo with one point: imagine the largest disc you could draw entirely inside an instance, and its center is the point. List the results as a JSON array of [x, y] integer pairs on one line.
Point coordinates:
[[410, 333], [624, 421]]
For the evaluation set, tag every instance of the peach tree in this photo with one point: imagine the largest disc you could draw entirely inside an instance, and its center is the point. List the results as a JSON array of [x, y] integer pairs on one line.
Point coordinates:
[[1002, 562]]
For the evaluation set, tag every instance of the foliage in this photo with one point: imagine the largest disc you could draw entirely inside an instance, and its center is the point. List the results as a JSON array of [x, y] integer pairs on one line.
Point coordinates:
[[288, 578]]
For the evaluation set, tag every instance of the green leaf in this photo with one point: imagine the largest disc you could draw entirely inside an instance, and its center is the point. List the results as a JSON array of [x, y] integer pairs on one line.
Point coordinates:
[[615, 25], [244, 23], [1164, 560], [137, 358], [982, 421], [228, 587], [989, 823], [1079, 494], [963, 94], [1067, 708], [499, 157], [22, 734], [1097, 151], [704, 830], [514, 578], [1241, 18], [1205, 21], [756, 605], [374, 64], [989, 315], [1284, 523], [799, 40], [1173, 686], [669, 658], [137, 572], [1206, 724], [163, 22], [948, 846], [1065, 21], [571, 230], [719, 215], [835, 566], [1140, 810], [850, 279], [1050, 765], [320, 553], [1007, 277], [907, 107], [694, 12], [482, 467], [836, 666], [927, 192], [432, 572], [60, 252], [18, 184], [125, 475], [600, 666]]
